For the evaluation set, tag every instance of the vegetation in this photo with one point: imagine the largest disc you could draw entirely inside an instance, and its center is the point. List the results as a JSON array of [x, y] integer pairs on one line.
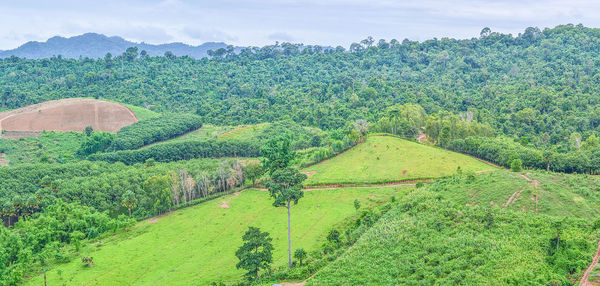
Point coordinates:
[[185, 150], [256, 252], [383, 159], [39, 239], [153, 130], [427, 238], [49, 147], [207, 236]]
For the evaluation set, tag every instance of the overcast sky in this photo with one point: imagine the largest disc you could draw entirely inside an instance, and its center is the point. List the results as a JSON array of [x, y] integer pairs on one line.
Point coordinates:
[[261, 22]]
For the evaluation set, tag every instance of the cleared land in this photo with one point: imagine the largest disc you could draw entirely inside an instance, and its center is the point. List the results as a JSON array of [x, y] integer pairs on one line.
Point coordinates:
[[73, 114], [382, 159], [196, 245]]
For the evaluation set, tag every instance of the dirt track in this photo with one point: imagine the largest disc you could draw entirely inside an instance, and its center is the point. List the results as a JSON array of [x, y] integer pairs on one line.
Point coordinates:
[[584, 280], [73, 114]]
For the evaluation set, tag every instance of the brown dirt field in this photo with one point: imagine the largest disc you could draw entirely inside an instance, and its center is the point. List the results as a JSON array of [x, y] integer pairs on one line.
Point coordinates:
[[72, 114], [225, 203]]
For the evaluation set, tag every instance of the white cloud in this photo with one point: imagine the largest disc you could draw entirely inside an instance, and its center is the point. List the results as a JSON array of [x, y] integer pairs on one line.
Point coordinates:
[[260, 22]]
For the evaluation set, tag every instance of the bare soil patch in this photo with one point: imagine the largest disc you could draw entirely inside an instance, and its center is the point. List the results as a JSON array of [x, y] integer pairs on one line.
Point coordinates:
[[73, 114], [225, 203], [584, 280]]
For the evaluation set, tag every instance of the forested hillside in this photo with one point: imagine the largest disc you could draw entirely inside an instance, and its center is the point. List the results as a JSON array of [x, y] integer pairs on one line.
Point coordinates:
[[384, 121], [539, 84]]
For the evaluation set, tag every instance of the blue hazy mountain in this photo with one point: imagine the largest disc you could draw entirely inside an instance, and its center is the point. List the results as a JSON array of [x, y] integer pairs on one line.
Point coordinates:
[[94, 45]]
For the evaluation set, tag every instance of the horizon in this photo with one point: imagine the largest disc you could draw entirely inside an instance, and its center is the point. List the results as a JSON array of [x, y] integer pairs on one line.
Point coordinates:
[[263, 22], [274, 42]]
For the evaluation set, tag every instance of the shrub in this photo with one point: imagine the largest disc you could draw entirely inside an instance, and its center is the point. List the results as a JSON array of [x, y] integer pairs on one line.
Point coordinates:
[[516, 165]]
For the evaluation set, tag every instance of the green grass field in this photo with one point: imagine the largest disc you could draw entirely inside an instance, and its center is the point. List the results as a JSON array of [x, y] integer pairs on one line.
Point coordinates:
[[383, 159], [196, 245], [142, 113], [244, 132], [565, 195]]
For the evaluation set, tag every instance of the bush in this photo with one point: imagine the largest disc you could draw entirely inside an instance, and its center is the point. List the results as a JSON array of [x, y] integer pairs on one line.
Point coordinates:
[[516, 165]]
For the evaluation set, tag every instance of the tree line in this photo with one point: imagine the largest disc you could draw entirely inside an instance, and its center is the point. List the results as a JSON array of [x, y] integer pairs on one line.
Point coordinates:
[[153, 130]]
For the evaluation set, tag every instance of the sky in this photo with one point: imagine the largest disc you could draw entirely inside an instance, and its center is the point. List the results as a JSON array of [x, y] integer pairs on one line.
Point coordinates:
[[262, 22]]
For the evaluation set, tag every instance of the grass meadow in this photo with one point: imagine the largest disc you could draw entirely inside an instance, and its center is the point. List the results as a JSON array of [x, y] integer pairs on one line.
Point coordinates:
[[196, 245], [382, 159]]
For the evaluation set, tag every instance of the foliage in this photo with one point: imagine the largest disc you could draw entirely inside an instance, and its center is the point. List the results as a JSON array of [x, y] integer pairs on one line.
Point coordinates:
[[427, 238], [548, 85], [502, 151], [40, 239], [186, 150], [256, 252], [28, 189], [300, 254], [516, 165], [153, 130], [94, 143]]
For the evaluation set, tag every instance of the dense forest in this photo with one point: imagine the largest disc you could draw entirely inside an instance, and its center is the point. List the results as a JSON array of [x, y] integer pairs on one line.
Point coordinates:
[[540, 83]]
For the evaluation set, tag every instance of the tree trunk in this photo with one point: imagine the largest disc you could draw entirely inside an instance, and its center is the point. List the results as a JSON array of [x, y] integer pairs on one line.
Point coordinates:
[[44, 278], [129, 212], [289, 238], [557, 241], [548, 166]]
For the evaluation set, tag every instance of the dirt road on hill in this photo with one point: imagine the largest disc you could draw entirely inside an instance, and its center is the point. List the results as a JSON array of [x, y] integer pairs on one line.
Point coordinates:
[[584, 280]]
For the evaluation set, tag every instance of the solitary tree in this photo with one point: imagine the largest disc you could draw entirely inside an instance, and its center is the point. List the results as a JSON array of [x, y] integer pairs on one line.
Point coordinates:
[[255, 253], [129, 201], [285, 187], [300, 254]]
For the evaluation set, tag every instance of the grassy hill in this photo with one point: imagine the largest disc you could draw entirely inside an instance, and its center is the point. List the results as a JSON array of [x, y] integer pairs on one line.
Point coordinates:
[[383, 159], [197, 245], [431, 240], [555, 194]]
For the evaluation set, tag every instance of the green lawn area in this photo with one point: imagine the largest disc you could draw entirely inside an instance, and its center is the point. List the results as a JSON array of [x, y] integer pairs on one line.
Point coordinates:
[[142, 113], [196, 245], [383, 159]]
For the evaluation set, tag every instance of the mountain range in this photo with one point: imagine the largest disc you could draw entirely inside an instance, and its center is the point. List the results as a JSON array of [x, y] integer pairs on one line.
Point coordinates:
[[95, 45]]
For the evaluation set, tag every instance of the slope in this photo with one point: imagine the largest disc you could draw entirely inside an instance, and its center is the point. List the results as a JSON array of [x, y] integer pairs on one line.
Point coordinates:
[[382, 159], [428, 238], [73, 114], [197, 245]]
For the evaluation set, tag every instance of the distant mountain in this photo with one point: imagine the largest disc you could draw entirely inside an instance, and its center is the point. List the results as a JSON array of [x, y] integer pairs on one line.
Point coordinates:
[[94, 45]]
